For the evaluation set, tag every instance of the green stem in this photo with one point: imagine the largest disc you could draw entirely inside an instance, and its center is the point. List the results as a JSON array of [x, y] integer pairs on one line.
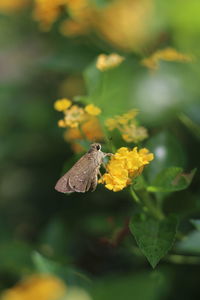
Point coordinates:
[[147, 203], [195, 128], [134, 195], [155, 211], [173, 258], [183, 259]]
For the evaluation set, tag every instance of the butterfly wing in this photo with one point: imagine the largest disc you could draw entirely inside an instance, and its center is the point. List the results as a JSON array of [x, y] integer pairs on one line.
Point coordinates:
[[62, 185], [80, 177]]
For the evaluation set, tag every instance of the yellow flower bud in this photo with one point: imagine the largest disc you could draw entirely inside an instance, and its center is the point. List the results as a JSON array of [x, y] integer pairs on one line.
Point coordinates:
[[92, 110], [62, 104]]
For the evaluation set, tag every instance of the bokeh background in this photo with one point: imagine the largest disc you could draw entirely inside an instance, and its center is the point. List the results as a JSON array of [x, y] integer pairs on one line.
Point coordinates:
[[47, 49]]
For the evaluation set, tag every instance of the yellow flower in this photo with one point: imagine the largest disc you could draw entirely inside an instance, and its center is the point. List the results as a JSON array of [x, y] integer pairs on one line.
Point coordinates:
[[123, 166], [170, 54], [111, 124], [90, 129], [133, 133], [74, 116], [46, 12], [92, 110], [37, 287], [62, 104], [123, 23], [61, 124], [106, 62], [167, 54], [127, 126]]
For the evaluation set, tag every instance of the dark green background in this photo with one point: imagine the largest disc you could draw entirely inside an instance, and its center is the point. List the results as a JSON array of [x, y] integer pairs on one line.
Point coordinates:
[[34, 218]]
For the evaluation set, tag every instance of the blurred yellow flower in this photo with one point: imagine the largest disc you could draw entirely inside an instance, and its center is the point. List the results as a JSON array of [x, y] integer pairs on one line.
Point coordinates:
[[111, 124], [90, 129], [127, 126], [92, 110], [62, 104], [123, 166], [37, 287], [61, 124], [133, 133], [126, 24], [46, 12], [9, 6], [74, 116], [167, 54], [106, 62]]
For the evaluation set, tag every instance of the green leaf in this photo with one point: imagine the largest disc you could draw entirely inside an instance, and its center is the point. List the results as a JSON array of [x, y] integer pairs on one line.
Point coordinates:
[[54, 238], [111, 89], [156, 285], [15, 257], [196, 224], [154, 237], [171, 180], [101, 3], [191, 243], [46, 266], [168, 152]]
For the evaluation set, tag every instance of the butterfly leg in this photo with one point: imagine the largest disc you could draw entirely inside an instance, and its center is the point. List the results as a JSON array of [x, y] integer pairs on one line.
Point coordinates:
[[108, 154], [99, 173]]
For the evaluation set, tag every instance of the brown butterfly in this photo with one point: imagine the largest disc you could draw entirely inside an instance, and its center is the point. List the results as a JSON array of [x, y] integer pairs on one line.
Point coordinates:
[[83, 176]]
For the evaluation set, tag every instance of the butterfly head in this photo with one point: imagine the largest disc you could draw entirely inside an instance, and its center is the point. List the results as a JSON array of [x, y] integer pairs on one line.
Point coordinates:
[[95, 147]]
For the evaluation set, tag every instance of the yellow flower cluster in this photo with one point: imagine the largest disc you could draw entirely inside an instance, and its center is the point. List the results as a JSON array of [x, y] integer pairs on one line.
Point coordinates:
[[37, 287], [81, 123], [167, 54], [73, 114], [46, 12], [123, 23], [106, 62], [127, 126], [123, 166]]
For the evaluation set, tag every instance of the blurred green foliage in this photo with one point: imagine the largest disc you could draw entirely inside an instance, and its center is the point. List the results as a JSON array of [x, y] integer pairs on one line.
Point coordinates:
[[84, 239]]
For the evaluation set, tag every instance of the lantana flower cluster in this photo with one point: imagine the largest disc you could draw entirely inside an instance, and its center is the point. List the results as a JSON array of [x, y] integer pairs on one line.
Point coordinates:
[[128, 127], [80, 122], [44, 287], [166, 54], [37, 287], [106, 62], [124, 166], [122, 23]]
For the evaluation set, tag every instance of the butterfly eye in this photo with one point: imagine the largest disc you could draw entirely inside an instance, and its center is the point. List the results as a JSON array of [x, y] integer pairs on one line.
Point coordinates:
[[98, 147]]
